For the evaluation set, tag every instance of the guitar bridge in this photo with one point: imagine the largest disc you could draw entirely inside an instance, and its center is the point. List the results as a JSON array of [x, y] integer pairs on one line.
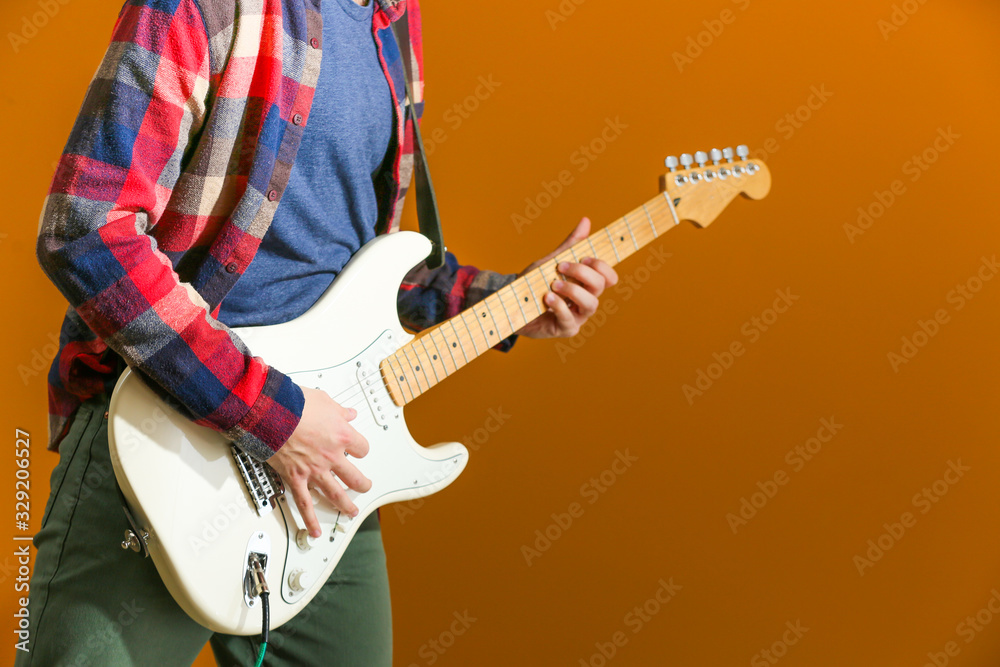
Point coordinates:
[[260, 480]]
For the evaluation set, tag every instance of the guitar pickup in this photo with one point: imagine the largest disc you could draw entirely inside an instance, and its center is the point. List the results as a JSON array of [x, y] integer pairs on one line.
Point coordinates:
[[381, 405]]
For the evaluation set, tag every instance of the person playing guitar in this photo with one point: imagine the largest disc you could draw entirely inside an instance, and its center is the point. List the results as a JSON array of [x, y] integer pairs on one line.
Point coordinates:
[[228, 159]]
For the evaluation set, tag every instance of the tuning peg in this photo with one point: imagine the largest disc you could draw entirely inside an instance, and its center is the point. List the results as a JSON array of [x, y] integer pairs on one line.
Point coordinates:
[[701, 157], [727, 153], [742, 151], [716, 155], [686, 160], [672, 162]]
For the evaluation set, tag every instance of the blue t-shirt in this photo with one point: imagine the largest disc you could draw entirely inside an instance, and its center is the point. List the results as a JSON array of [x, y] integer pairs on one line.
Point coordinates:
[[328, 210]]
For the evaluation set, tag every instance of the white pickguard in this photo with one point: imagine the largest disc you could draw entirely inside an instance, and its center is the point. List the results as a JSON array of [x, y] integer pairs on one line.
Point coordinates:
[[184, 488]]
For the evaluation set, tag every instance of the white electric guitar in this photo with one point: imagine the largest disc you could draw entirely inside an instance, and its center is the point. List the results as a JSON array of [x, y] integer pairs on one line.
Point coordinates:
[[202, 509]]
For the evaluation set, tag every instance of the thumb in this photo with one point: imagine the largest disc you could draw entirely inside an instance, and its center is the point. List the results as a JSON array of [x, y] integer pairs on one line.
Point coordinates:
[[581, 232]]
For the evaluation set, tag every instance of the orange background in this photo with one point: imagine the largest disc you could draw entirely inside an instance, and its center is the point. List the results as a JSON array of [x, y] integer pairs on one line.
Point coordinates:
[[621, 386]]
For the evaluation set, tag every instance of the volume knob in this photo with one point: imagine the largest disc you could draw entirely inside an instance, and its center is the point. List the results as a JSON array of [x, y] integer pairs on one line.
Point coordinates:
[[299, 580]]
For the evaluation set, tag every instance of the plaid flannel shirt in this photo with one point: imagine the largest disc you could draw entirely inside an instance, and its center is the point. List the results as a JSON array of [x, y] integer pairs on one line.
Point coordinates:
[[169, 181]]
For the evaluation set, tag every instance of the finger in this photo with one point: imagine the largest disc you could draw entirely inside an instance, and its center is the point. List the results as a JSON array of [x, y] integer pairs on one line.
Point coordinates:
[[585, 301], [303, 501], [350, 475], [336, 494], [357, 445], [602, 267], [565, 320], [591, 279]]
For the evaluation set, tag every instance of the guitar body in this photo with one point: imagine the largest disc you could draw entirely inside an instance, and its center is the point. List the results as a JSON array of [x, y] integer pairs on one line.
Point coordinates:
[[185, 488]]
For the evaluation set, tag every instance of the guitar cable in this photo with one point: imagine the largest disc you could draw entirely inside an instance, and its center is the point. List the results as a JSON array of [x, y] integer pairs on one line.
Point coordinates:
[[260, 588]]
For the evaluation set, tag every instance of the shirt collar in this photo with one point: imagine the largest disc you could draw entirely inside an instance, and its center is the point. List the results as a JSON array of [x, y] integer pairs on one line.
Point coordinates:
[[393, 8]]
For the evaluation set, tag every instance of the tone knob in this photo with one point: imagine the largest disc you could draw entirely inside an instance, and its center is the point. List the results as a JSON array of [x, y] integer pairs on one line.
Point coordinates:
[[299, 580], [304, 539]]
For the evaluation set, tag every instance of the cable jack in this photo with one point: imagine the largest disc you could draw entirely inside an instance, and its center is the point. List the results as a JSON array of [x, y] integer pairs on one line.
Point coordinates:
[[259, 589]]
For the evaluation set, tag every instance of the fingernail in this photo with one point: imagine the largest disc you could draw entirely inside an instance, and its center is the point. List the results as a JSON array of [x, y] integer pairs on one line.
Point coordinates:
[[354, 512], [550, 298], [557, 284], [563, 266]]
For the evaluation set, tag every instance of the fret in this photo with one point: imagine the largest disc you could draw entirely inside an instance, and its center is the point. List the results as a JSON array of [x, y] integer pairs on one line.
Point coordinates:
[[487, 331], [413, 372], [596, 254], [533, 297], [612, 239], [499, 297], [670, 206], [629, 228], [472, 330], [517, 300], [652, 225], [458, 339], [430, 358], [420, 368], [397, 373], [440, 333]]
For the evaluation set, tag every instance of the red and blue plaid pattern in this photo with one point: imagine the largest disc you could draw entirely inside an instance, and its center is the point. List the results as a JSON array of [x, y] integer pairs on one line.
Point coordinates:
[[169, 181]]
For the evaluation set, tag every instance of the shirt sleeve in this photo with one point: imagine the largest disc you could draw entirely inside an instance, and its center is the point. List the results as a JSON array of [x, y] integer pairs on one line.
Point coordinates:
[[430, 296], [143, 109]]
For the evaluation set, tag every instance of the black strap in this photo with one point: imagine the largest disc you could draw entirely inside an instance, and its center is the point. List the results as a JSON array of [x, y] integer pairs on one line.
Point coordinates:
[[427, 211]]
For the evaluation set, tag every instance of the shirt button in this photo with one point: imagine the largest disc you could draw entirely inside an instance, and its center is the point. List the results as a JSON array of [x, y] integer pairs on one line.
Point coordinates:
[[272, 195], [297, 119], [314, 43], [231, 267]]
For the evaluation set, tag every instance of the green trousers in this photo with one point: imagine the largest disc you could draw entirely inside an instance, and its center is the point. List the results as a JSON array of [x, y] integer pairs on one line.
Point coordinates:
[[93, 603]]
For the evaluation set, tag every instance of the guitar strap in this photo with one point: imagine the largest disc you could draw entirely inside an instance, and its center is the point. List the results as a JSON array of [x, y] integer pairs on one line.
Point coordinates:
[[427, 210]]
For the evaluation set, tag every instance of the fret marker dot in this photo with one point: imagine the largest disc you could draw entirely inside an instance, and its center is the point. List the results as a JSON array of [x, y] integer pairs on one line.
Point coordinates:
[[418, 368], [400, 378], [454, 344], [435, 357], [491, 332]]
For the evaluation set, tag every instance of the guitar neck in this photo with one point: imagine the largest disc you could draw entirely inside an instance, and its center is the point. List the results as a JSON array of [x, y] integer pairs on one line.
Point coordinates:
[[442, 350]]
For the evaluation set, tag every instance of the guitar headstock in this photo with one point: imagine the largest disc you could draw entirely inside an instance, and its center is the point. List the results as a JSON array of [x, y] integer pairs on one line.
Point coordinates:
[[703, 185]]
